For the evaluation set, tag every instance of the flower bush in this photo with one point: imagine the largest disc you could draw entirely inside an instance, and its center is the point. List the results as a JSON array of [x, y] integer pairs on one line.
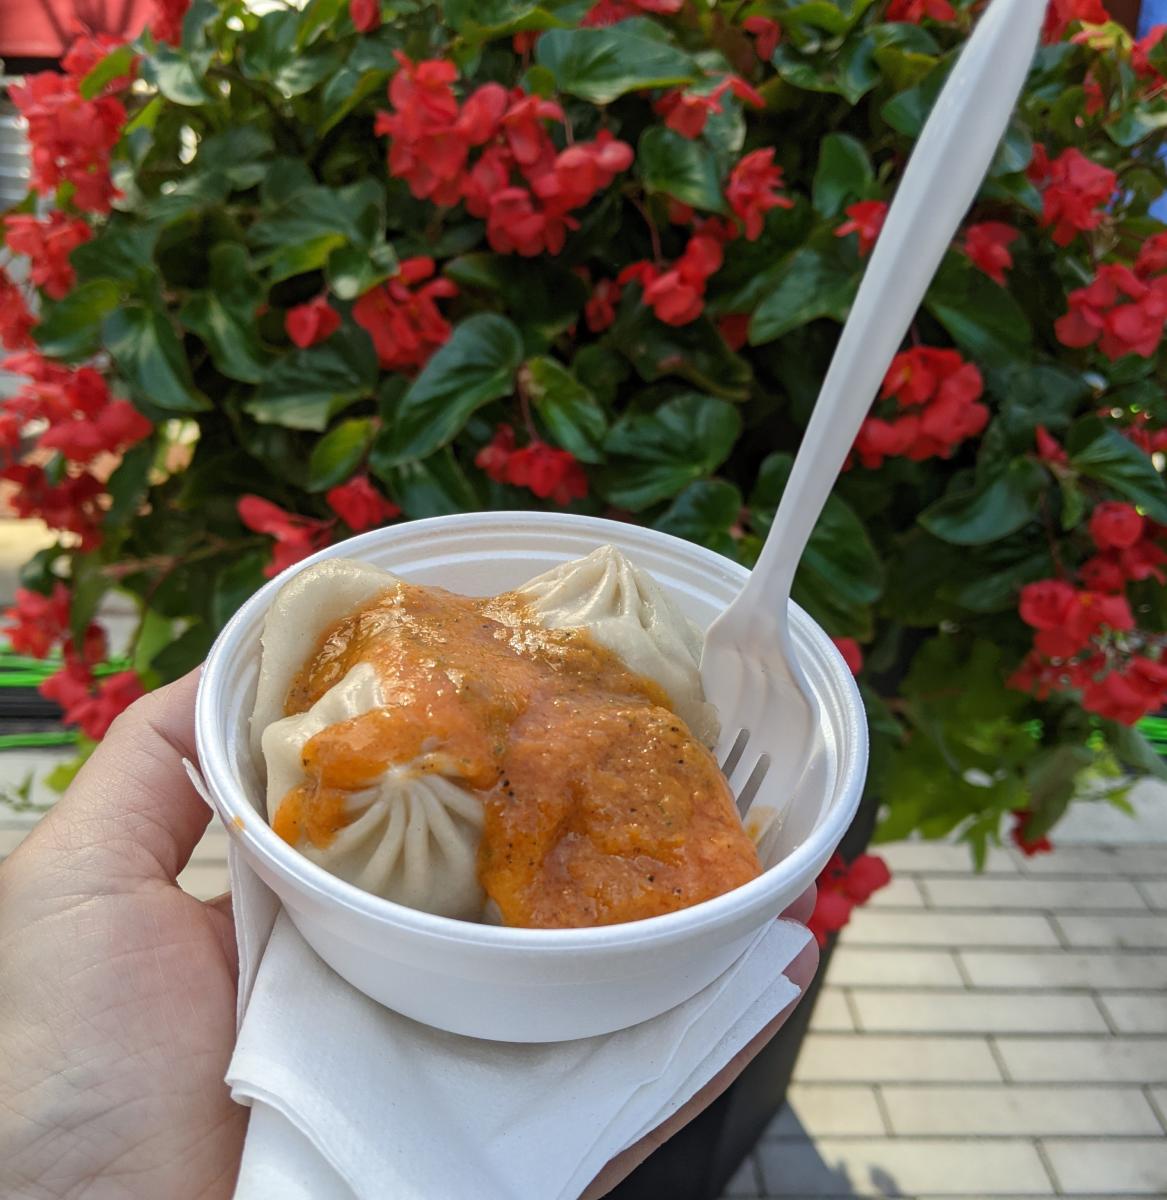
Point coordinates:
[[292, 276]]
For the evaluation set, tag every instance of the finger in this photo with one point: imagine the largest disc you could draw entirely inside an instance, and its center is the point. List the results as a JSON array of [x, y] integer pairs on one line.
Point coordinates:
[[802, 908], [800, 972], [132, 813]]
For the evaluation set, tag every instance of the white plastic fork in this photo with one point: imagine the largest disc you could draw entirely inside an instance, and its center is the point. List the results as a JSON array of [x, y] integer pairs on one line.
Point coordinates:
[[749, 668]]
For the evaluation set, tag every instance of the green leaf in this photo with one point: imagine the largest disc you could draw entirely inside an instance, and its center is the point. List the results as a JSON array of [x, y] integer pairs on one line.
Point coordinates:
[[680, 167], [475, 366], [1135, 124], [302, 232], [570, 412], [154, 632], [123, 250], [655, 454], [240, 155], [840, 563], [704, 513], [843, 174], [983, 319], [128, 483], [809, 285], [1133, 750], [850, 73], [236, 583], [224, 315], [907, 111], [435, 487], [150, 358], [71, 328], [116, 64], [307, 388], [695, 352], [87, 586], [353, 270], [184, 653], [992, 511], [271, 45], [366, 71], [481, 20], [178, 75], [339, 453], [1102, 453], [601, 65], [536, 294]]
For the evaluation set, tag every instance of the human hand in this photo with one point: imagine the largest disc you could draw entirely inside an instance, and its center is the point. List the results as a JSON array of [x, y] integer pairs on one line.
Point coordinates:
[[117, 989]]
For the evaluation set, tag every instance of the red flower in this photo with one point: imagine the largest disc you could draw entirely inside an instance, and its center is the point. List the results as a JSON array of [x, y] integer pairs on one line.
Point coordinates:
[[72, 688], [600, 309], [549, 473], [87, 51], [71, 504], [1075, 190], [48, 244], [753, 190], [296, 537], [767, 34], [38, 622], [1141, 52], [915, 11], [735, 329], [406, 325], [166, 24], [678, 296], [987, 246], [832, 910], [1062, 13], [866, 219], [495, 456], [865, 876], [842, 887], [1129, 693], [687, 112], [359, 505], [1046, 604], [852, 653], [16, 320], [1152, 259], [1027, 845], [1049, 449], [1115, 526], [307, 324], [117, 427], [365, 15], [942, 392], [1118, 310]]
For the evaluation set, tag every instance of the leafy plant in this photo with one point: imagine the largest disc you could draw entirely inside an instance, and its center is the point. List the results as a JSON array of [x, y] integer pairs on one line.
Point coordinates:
[[338, 264]]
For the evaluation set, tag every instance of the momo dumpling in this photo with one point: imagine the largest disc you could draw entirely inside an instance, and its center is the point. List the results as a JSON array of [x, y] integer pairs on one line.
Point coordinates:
[[410, 837], [628, 612]]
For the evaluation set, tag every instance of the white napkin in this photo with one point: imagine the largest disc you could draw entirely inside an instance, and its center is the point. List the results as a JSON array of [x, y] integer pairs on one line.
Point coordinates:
[[351, 1101]]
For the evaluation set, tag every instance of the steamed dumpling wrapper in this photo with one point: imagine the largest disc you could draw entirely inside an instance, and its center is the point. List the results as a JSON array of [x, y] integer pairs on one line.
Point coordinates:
[[410, 830]]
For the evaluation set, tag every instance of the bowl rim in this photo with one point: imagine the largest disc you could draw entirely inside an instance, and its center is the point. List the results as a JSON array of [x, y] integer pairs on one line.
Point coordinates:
[[229, 798]]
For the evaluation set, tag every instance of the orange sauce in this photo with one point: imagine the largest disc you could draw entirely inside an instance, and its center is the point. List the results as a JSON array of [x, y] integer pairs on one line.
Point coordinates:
[[600, 805]]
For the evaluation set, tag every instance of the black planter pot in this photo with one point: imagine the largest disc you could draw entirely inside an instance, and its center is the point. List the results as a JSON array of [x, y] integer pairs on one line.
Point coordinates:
[[698, 1162]]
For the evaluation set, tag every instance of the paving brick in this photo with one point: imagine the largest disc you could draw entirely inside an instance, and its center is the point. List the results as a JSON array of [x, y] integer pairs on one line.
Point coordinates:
[[864, 965], [204, 881], [1155, 891], [1126, 931], [820, 1110], [876, 1058], [1075, 862], [1136, 1014], [1132, 1167], [876, 1167], [976, 1012], [1055, 895], [1085, 1059], [1158, 1097], [1062, 969], [985, 1110], [935, 858], [831, 1012], [902, 892], [928, 928], [746, 1182]]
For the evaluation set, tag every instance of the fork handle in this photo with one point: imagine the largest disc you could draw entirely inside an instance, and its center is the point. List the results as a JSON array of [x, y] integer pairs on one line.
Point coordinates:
[[946, 168]]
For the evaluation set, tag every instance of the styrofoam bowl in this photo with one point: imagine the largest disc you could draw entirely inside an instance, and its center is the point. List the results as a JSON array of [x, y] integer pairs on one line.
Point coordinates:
[[528, 985]]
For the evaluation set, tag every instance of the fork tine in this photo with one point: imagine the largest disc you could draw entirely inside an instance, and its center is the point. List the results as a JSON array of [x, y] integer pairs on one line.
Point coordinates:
[[750, 789], [736, 750]]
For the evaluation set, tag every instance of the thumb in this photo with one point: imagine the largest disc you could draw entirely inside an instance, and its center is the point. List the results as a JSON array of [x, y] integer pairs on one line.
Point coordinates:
[[132, 813]]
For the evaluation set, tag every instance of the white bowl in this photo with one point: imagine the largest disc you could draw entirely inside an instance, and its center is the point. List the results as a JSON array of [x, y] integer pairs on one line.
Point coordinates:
[[529, 985]]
